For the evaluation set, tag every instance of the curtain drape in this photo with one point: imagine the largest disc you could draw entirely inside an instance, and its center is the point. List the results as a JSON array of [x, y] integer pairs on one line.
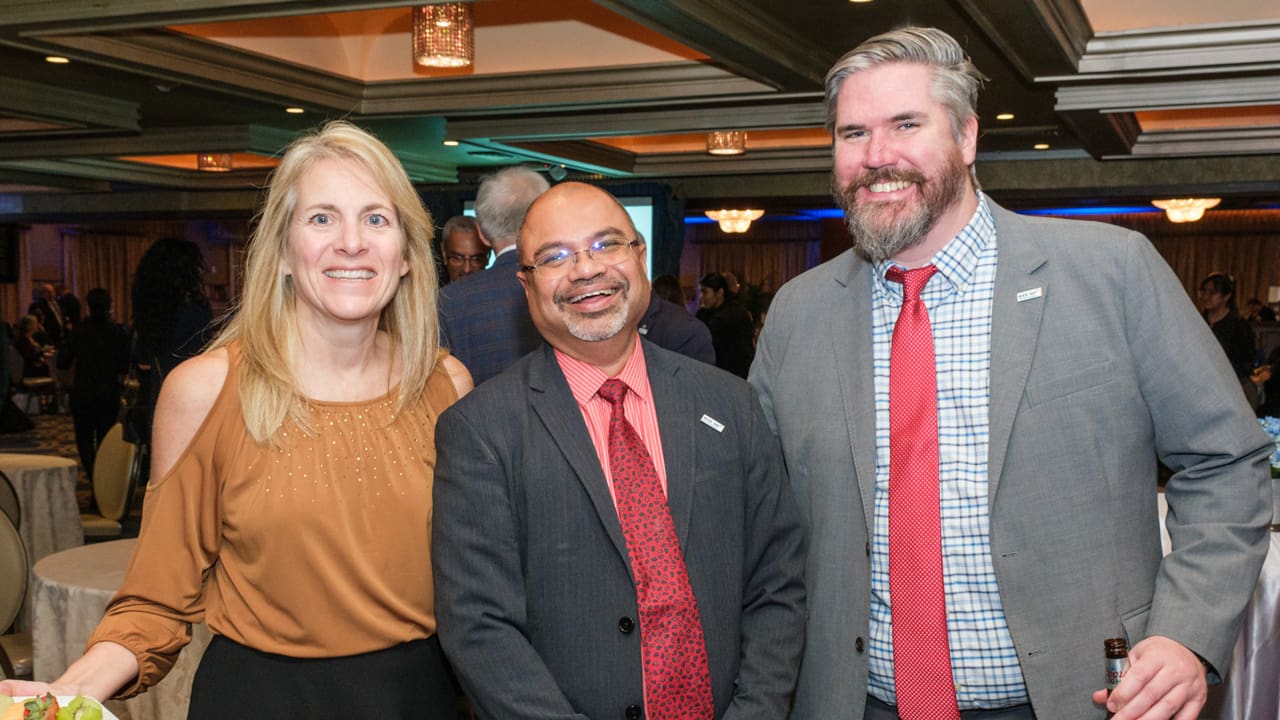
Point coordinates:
[[1243, 243], [107, 260], [767, 255]]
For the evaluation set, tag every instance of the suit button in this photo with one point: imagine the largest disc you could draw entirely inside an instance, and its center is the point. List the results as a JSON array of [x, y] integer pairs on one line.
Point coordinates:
[[626, 625], [633, 712], [859, 645]]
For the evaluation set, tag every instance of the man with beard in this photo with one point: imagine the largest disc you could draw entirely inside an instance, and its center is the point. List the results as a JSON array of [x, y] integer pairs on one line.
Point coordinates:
[[613, 533], [971, 404]]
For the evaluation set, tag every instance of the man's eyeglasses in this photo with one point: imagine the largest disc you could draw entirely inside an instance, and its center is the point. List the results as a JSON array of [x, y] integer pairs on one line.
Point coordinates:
[[456, 259], [610, 251]]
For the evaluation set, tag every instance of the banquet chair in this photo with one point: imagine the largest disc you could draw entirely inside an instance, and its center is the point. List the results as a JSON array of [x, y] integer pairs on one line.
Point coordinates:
[[43, 391], [15, 648], [112, 486], [9, 504]]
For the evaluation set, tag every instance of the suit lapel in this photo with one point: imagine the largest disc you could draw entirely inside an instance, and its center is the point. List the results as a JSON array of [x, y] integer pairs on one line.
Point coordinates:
[[850, 334], [1015, 327], [554, 405], [675, 412]]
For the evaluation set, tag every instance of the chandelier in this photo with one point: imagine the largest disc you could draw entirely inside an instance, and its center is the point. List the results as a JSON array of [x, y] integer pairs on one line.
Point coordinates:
[[1182, 210], [734, 221], [726, 142], [443, 35], [213, 162]]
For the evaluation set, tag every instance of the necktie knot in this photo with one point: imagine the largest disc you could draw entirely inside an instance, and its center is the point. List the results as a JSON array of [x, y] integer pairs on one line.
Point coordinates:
[[613, 390], [913, 281]]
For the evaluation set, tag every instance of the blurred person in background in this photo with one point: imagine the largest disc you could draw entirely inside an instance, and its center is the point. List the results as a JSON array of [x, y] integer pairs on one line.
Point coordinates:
[[98, 352], [172, 321]]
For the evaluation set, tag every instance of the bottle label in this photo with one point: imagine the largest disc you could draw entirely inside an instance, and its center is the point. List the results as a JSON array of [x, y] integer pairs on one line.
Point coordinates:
[[1116, 668]]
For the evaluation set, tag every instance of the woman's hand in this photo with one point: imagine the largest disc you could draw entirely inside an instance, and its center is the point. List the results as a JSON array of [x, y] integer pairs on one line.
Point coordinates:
[[28, 688]]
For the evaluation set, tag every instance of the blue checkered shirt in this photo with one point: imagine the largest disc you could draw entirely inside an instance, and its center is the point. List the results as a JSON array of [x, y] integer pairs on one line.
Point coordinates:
[[983, 659]]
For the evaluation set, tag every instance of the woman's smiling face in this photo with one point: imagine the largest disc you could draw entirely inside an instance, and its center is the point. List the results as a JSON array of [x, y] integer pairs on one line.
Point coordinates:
[[346, 247]]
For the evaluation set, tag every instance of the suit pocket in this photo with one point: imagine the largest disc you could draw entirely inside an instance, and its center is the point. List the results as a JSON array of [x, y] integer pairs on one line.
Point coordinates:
[[1089, 377], [1135, 624]]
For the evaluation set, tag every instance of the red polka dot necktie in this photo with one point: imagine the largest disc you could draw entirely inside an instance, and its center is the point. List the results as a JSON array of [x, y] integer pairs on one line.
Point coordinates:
[[918, 604], [677, 679]]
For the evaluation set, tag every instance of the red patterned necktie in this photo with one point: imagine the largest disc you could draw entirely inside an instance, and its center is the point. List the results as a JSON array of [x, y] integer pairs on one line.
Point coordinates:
[[677, 679], [918, 604]]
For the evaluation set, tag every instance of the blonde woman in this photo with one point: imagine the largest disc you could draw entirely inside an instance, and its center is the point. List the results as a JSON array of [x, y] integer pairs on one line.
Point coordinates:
[[290, 500]]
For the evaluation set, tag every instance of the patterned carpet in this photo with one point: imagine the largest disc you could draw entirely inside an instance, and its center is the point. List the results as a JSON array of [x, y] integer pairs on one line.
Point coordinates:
[[53, 434]]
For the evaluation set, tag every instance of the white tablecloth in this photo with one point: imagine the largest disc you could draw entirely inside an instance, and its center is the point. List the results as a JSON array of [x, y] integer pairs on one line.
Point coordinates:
[[72, 589], [1251, 690], [46, 488]]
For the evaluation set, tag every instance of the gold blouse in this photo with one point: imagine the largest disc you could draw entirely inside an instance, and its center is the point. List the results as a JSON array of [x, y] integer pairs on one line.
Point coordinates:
[[317, 548]]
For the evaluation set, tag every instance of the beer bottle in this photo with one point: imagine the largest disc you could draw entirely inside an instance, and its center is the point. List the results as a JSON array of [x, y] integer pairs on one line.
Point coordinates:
[[1117, 654]]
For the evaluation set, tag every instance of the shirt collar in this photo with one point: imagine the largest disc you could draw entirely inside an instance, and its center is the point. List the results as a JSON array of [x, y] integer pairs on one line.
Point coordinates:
[[585, 379]]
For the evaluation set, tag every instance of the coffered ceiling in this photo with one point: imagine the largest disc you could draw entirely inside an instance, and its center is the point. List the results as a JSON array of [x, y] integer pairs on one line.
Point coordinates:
[[1133, 100]]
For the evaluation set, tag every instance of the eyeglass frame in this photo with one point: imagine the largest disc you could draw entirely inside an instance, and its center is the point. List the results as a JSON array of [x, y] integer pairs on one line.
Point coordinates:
[[573, 254], [460, 259]]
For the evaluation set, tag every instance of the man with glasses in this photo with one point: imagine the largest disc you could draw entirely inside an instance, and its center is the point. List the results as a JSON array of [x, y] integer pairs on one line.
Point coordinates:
[[464, 252], [613, 533]]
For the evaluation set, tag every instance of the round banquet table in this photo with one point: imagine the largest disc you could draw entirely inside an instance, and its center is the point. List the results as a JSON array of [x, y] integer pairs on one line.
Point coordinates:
[[46, 487], [70, 595]]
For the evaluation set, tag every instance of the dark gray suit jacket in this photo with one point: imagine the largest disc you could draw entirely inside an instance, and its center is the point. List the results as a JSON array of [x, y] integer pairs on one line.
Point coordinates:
[[534, 597], [1098, 364], [484, 319]]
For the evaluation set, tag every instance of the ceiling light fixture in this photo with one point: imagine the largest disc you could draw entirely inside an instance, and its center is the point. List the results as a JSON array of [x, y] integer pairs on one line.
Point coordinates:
[[294, 110], [1181, 210], [213, 162], [1004, 116], [726, 142], [450, 143], [443, 35], [734, 221], [56, 59], [1041, 146]]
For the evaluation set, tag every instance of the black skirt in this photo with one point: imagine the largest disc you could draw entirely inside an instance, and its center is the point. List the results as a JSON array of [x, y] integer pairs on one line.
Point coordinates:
[[411, 680]]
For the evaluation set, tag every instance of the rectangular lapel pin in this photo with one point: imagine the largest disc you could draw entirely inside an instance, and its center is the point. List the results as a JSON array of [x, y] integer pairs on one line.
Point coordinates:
[[1031, 294], [713, 423]]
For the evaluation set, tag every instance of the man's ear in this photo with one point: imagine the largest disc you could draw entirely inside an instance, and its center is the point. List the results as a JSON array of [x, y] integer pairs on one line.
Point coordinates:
[[483, 239]]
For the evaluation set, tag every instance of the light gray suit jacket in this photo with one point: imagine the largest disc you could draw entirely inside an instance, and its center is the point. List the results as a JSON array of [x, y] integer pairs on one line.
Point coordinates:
[[534, 597], [1109, 367]]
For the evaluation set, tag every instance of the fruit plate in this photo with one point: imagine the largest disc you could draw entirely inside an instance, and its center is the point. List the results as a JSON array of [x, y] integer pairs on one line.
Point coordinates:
[[64, 700]]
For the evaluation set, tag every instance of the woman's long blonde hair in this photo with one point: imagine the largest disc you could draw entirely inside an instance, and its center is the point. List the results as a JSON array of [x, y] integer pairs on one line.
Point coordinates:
[[263, 320]]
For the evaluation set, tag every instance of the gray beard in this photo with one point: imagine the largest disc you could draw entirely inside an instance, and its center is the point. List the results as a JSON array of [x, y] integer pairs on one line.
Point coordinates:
[[880, 240], [601, 326], [593, 331]]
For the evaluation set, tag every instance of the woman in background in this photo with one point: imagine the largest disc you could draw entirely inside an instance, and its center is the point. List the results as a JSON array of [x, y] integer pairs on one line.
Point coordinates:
[[171, 321], [290, 506]]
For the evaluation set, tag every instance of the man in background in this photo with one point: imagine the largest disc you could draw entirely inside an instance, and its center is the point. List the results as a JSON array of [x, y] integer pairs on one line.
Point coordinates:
[[484, 320], [464, 252], [732, 331], [971, 404]]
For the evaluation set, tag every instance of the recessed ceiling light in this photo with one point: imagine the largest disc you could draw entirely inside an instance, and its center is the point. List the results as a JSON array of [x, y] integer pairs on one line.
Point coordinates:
[[860, 1], [56, 59], [1005, 116], [294, 110], [1041, 146], [451, 143]]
